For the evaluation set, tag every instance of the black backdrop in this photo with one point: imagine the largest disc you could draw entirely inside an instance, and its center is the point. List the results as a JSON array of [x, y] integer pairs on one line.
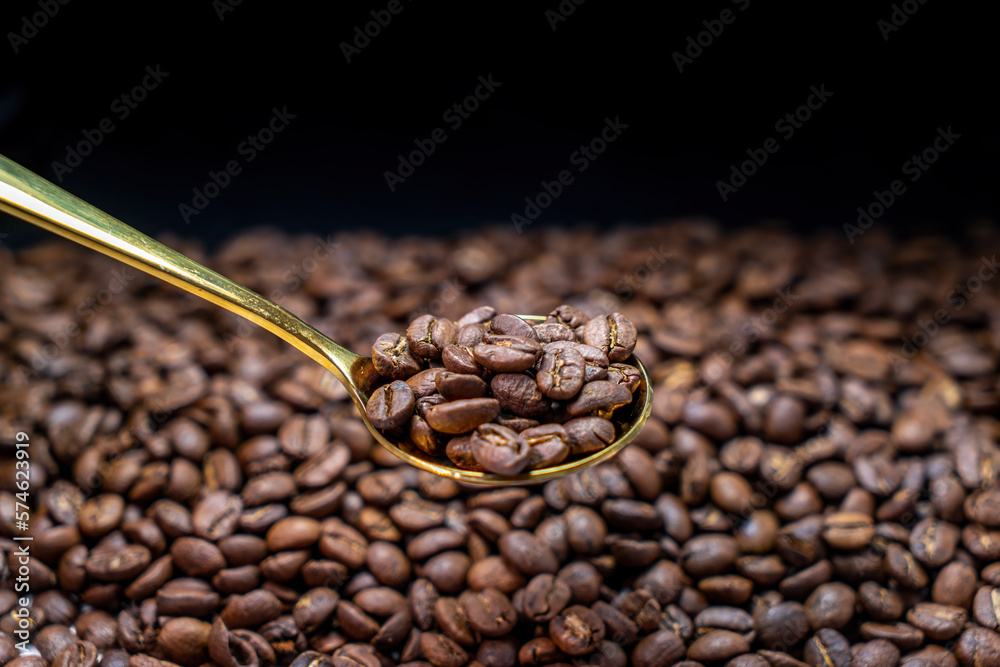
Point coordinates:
[[890, 90]]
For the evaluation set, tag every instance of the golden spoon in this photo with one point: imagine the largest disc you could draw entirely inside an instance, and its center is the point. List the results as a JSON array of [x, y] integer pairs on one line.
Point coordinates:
[[28, 196]]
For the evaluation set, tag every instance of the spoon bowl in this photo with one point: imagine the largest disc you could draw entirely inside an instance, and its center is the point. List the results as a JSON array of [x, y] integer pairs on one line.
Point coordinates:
[[28, 196]]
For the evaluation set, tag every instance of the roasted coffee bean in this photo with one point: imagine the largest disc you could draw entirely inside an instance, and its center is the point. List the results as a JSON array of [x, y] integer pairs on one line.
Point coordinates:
[[875, 653], [499, 449], [707, 555], [828, 648], [216, 515], [97, 627], [186, 597], [527, 553], [151, 579], [937, 621], [717, 645], [955, 585], [663, 647], [392, 357], [585, 530], [577, 630], [881, 603], [616, 624], [519, 394], [459, 450], [295, 532], [904, 568], [79, 654], [614, 335], [118, 565], [380, 601], [423, 436], [981, 542], [784, 418], [461, 416], [511, 325], [433, 542], [978, 646], [251, 610], [391, 405], [728, 589], [933, 542], [830, 606], [184, 641], [455, 386], [51, 640], [472, 333], [848, 530], [560, 372], [543, 598], [626, 375], [196, 557], [441, 650], [589, 434], [507, 354], [600, 398], [596, 360], [424, 383], [549, 332], [518, 424], [428, 335], [903, 635], [489, 612], [567, 315], [758, 532], [459, 359], [780, 626], [355, 623], [631, 514], [101, 514], [806, 581], [732, 619], [986, 607], [711, 418], [548, 445], [799, 543]]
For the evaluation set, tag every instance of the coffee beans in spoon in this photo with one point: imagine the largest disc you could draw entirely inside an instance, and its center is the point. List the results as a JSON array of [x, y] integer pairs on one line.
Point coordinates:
[[492, 391]]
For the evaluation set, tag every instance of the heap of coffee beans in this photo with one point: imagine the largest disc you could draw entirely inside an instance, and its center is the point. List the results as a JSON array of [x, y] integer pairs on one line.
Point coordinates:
[[496, 393], [817, 484]]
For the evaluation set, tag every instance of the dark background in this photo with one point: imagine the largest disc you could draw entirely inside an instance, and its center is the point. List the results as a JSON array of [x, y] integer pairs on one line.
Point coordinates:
[[325, 172]]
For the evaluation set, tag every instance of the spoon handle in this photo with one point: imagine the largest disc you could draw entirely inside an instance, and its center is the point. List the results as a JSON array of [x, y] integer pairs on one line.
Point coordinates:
[[30, 197]]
